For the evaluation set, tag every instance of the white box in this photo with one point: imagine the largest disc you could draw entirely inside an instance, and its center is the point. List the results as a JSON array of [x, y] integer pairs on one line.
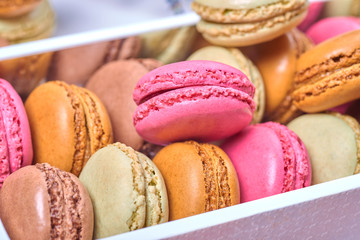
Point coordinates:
[[324, 211]]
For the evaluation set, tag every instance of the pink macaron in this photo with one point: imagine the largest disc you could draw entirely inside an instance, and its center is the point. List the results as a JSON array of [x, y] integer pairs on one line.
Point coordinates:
[[197, 100], [15, 140], [331, 27], [313, 14], [269, 159]]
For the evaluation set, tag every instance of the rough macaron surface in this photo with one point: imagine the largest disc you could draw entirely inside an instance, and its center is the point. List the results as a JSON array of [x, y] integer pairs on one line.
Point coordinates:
[[15, 143], [192, 100]]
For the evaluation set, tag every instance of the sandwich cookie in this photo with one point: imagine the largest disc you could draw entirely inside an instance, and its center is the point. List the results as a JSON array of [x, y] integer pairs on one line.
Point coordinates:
[[333, 143], [68, 124], [243, 23], [199, 99], [43, 202], [269, 159], [127, 190], [199, 178]]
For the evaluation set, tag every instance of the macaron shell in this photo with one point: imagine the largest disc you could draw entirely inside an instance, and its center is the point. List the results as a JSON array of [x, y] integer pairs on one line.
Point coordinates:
[[331, 27], [188, 74], [49, 128], [248, 159], [25, 212], [114, 84], [182, 169], [120, 206], [234, 4], [331, 145], [266, 30], [171, 116], [24, 130]]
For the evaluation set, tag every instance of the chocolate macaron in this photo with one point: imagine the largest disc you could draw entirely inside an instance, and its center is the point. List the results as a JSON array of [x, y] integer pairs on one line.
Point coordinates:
[[43, 202]]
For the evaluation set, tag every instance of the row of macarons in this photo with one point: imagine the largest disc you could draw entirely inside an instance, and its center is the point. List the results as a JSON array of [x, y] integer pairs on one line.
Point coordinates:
[[197, 99]]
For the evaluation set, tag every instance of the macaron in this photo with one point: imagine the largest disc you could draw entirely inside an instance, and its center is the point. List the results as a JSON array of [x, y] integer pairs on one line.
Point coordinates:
[[114, 83], [200, 100], [269, 159], [328, 74], [68, 124], [313, 15], [342, 8], [235, 58], [34, 25], [243, 23], [15, 8], [15, 141], [330, 27], [168, 46], [127, 190], [77, 65], [276, 61], [333, 143], [43, 202], [26, 73], [199, 178]]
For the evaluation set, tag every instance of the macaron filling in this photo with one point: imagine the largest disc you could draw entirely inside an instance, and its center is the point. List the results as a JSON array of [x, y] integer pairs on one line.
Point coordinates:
[[64, 198], [233, 14], [161, 83], [190, 94], [11, 145]]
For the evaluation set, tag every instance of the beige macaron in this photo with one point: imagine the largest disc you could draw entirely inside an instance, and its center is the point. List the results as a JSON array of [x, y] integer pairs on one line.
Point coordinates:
[[126, 189]]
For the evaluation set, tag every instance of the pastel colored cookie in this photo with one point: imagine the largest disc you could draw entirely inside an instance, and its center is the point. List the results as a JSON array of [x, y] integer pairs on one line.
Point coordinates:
[[243, 23], [276, 61], [313, 15], [330, 27], [333, 143], [235, 58], [200, 100], [127, 190], [43, 202], [269, 159], [15, 140], [342, 8], [15, 8], [114, 84], [199, 178], [77, 65], [26, 73], [328, 74], [68, 124], [34, 25], [168, 46]]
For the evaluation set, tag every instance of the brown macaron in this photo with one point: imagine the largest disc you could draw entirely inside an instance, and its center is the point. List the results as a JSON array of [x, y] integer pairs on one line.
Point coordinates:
[[76, 65], [43, 202], [198, 177], [68, 124], [114, 84]]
